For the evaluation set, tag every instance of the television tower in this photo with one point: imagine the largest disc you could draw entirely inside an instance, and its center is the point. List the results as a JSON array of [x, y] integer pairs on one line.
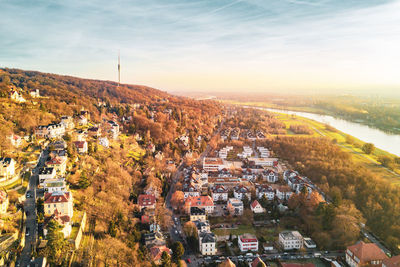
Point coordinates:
[[119, 69]]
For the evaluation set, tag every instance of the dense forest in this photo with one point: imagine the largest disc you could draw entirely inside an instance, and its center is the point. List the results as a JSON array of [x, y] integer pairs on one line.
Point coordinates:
[[351, 189], [106, 182]]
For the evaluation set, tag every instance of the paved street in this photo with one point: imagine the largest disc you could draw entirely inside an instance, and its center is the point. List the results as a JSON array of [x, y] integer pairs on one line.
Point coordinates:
[[30, 209]]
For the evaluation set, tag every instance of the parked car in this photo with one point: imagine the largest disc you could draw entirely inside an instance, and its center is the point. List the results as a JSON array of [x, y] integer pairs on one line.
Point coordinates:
[[188, 261]]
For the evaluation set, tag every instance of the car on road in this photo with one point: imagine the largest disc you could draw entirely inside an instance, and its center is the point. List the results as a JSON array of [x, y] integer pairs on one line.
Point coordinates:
[[188, 261], [27, 213], [28, 195], [27, 232], [176, 232]]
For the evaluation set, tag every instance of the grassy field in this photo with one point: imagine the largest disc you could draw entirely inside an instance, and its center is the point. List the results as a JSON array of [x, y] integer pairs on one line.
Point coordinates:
[[367, 161]]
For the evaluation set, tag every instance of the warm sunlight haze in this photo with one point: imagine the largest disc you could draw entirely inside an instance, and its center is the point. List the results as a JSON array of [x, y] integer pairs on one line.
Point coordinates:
[[200, 133]]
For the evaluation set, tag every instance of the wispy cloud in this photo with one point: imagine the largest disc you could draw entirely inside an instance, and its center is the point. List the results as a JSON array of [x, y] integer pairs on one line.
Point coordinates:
[[290, 43]]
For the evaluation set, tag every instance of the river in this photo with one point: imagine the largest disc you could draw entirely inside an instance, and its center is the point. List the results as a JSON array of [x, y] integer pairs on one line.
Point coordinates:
[[382, 140]]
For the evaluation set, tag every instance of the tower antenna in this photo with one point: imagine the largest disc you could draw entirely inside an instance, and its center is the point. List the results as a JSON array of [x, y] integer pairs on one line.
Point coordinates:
[[119, 69]]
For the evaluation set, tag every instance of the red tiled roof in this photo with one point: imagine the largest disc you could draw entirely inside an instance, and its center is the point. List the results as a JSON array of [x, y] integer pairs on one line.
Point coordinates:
[[200, 201], [157, 251], [56, 197], [254, 204], [392, 262], [146, 200], [367, 252], [79, 144]]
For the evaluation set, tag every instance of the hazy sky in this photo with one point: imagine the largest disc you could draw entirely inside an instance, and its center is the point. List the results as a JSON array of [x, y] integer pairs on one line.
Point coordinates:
[[221, 45]]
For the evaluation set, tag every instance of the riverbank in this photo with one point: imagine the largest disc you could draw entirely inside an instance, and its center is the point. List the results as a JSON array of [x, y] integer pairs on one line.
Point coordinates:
[[315, 110], [370, 162], [366, 161]]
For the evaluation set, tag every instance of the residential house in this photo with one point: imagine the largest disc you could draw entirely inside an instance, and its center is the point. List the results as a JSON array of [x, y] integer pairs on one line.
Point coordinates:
[[17, 97], [15, 140], [235, 206], [309, 243], [46, 173], [81, 147], [207, 243], [213, 164], [365, 254], [7, 168], [249, 175], [191, 191], [197, 214], [103, 141], [282, 192], [264, 152], [256, 207], [34, 93], [52, 130], [59, 164], [94, 132], [219, 193], [265, 191], [241, 191], [248, 242], [202, 226], [63, 220], [3, 202], [157, 251], [82, 120], [67, 122], [147, 201], [54, 185], [290, 240], [270, 176], [205, 202], [61, 201], [151, 190]]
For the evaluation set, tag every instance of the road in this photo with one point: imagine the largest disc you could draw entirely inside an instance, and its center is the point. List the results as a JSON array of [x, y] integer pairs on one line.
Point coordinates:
[[30, 209], [274, 256], [177, 224]]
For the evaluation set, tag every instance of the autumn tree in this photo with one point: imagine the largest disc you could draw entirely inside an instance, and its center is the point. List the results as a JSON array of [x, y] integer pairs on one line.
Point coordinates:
[[177, 251], [368, 148]]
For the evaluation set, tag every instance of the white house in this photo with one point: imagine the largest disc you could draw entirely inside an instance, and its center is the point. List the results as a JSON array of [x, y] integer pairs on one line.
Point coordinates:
[[240, 191], [103, 141], [7, 168], [290, 240], [270, 176], [265, 190], [256, 207], [45, 174], [248, 242], [190, 191], [219, 193], [15, 140], [81, 147], [207, 242], [235, 206], [54, 185], [34, 93]]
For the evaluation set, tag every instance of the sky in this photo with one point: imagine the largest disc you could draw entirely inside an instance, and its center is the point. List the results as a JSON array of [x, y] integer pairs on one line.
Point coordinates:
[[288, 46]]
